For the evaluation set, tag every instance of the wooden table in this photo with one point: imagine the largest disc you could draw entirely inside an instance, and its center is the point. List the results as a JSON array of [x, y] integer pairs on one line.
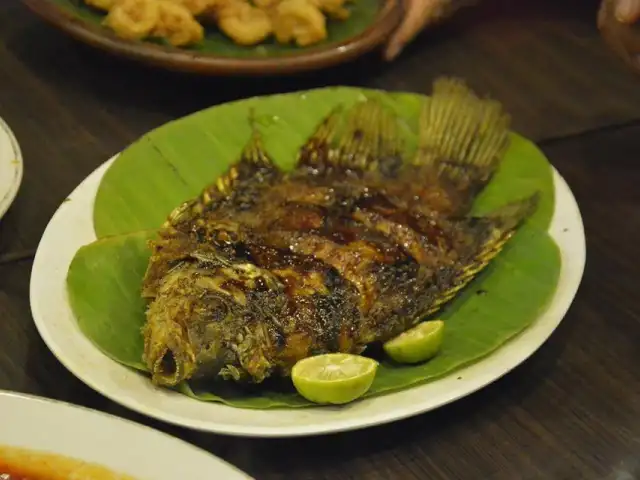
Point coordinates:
[[571, 412]]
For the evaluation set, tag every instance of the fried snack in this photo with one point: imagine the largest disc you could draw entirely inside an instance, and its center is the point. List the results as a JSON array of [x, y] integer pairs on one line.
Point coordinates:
[[355, 245], [246, 22], [196, 7], [333, 8], [299, 21], [133, 19], [266, 4], [177, 25], [242, 22]]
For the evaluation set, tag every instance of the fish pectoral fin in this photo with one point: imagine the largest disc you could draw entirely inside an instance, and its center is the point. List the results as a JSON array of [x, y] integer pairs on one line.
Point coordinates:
[[462, 136], [365, 138], [497, 229], [510, 216]]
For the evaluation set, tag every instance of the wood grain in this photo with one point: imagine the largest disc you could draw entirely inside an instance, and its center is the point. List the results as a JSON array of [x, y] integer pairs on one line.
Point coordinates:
[[571, 412], [72, 107]]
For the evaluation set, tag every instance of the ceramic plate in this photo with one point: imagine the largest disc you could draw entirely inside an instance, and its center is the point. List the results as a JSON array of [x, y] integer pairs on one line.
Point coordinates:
[[72, 227], [10, 167], [370, 24], [55, 428]]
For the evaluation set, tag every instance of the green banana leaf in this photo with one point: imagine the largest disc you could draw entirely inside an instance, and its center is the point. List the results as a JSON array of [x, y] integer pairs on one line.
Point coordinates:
[[175, 161], [178, 159], [363, 14], [104, 284]]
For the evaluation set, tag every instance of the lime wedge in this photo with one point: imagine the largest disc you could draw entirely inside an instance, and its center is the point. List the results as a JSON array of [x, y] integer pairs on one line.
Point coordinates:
[[418, 344], [334, 378]]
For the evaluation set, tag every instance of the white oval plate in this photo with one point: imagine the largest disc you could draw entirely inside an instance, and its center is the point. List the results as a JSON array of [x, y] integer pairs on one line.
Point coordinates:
[[72, 226], [10, 167], [119, 445]]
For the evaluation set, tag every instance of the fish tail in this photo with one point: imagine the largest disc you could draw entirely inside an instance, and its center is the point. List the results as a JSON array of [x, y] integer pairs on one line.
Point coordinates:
[[463, 136], [495, 230], [368, 140]]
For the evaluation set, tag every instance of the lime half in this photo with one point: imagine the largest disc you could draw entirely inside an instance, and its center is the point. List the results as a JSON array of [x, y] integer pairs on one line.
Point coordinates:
[[335, 378], [418, 344]]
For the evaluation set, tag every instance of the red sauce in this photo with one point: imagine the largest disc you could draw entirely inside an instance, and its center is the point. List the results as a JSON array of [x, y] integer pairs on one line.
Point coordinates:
[[23, 464], [6, 474]]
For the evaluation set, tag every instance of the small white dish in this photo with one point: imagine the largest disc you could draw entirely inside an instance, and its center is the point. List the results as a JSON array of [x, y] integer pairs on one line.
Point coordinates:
[[72, 227], [48, 426], [10, 167]]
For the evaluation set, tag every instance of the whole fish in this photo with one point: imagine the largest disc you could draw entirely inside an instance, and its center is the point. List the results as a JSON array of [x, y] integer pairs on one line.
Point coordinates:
[[354, 246]]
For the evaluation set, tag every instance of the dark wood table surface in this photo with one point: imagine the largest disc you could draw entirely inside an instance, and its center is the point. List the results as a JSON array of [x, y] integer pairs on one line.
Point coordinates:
[[571, 412]]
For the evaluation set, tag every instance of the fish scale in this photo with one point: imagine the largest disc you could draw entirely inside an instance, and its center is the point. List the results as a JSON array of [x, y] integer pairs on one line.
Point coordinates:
[[352, 247]]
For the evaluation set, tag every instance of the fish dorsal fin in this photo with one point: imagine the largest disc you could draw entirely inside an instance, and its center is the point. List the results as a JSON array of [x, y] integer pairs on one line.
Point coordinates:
[[365, 138], [254, 165], [318, 148], [463, 136], [253, 160]]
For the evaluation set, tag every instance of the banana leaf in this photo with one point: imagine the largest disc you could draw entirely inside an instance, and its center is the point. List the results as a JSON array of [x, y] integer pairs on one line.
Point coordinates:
[[178, 159], [175, 161], [104, 291], [363, 14]]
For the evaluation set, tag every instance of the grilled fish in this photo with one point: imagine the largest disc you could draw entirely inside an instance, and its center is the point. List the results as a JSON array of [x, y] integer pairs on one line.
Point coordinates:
[[354, 246]]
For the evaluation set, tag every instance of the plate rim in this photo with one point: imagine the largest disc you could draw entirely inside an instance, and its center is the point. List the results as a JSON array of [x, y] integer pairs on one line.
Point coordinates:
[[122, 398], [7, 198], [37, 399], [388, 17]]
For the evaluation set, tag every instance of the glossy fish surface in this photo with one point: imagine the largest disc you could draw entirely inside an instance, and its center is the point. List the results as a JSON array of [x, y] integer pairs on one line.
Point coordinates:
[[354, 246]]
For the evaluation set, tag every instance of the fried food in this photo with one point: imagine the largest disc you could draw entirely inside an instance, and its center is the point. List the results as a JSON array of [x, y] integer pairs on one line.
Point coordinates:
[[266, 5], [177, 25], [333, 8], [133, 19], [245, 22], [242, 22], [195, 7], [299, 21], [354, 246]]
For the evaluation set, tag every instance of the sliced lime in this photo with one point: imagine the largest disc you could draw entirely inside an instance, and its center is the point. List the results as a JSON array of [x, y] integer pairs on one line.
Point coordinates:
[[335, 378], [418, 344]]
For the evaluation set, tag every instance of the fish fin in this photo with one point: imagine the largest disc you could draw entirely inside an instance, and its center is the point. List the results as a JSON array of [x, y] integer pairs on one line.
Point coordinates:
[[253, 159], [316, 151], [254, 152], [496, 229], [369, 140], [463, 136], [254, 162]]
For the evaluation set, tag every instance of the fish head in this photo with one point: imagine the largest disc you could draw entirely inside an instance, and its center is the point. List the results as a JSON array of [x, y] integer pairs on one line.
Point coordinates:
[[213, 317]]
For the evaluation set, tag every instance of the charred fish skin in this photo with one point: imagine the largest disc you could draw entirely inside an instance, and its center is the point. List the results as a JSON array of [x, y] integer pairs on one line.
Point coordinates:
[[353, 246]]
